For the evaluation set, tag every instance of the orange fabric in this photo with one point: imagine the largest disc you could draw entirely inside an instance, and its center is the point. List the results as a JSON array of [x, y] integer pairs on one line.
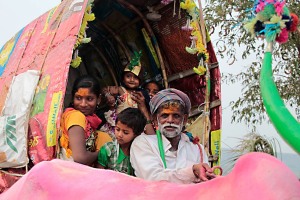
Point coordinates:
[[69, 119], [102, 139]]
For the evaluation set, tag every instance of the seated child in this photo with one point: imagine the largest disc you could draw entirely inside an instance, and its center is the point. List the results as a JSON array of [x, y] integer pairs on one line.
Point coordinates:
[[115, 155]]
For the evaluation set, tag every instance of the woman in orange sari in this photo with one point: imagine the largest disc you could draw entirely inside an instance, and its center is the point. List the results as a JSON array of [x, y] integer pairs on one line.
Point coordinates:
[[79, 123]]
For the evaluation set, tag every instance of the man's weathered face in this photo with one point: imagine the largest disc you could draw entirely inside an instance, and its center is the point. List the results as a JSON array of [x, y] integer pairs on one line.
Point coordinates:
[[170, 120]]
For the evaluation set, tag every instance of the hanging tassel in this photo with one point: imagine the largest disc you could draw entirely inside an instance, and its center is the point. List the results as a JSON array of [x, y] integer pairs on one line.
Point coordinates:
[[187, 26], [192, 49], [76, 62], [200, 70]]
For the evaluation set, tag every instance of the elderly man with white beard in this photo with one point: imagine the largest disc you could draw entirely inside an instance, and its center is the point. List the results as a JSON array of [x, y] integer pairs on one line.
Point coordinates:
[[169, 155]]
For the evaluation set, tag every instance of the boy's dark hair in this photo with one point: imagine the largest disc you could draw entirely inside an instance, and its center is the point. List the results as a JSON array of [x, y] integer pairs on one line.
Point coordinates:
[[133, 118], [86, 81]]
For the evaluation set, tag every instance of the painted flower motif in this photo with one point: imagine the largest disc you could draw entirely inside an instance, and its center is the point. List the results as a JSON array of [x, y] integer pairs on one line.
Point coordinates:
[[33, 142], [45, 82], [4, 54]]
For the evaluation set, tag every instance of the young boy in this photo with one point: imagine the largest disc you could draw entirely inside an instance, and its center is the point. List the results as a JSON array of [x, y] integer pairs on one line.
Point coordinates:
[[115, 155]]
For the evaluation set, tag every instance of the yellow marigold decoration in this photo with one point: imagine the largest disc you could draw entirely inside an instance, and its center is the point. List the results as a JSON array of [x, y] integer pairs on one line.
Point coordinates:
[[197, 45], [198, 38], [188, 5], [81, 39]]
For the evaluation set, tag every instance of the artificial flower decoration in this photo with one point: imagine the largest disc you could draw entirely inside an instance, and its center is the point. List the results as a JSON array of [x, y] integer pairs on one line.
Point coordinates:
[[192, 49], [271, 19], [188, 5], [200, 70], [76, 62], [295, 22], [279, 7], [283, 36]]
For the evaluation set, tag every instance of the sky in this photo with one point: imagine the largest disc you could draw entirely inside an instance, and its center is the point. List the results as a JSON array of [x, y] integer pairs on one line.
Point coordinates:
[[15, 14]]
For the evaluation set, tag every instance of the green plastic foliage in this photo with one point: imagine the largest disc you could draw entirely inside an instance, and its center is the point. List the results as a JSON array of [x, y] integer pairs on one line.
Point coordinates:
[[286, 125]]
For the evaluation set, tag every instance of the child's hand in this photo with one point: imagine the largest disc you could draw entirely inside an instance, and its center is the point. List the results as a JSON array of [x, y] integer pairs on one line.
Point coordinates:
[[111, 101], [113, 90]]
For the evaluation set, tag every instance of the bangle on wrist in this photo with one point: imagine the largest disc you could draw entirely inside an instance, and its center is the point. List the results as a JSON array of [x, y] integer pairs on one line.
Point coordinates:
[[149, 121]]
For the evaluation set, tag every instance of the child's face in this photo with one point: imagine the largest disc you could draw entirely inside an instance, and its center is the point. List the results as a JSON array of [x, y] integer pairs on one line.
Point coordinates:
[[152, 89], [131, 80], [85, 101], [124, 134]]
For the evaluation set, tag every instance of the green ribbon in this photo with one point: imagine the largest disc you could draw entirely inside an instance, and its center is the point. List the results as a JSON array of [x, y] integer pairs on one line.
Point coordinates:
[[161, 148]]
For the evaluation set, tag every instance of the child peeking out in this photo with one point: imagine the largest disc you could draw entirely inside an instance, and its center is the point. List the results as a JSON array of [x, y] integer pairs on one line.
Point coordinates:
[[115, 155], [152, 88]]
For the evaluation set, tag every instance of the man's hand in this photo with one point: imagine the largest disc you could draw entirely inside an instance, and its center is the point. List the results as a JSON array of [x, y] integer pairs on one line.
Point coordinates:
[[139, 98], [203, 172]]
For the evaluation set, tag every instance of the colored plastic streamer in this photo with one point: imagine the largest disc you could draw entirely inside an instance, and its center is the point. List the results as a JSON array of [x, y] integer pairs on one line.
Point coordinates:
[[286, 125], [161, 148]]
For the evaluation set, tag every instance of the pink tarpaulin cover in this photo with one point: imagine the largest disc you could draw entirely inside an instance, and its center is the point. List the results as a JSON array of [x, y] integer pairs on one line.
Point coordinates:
[[255, 176]]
